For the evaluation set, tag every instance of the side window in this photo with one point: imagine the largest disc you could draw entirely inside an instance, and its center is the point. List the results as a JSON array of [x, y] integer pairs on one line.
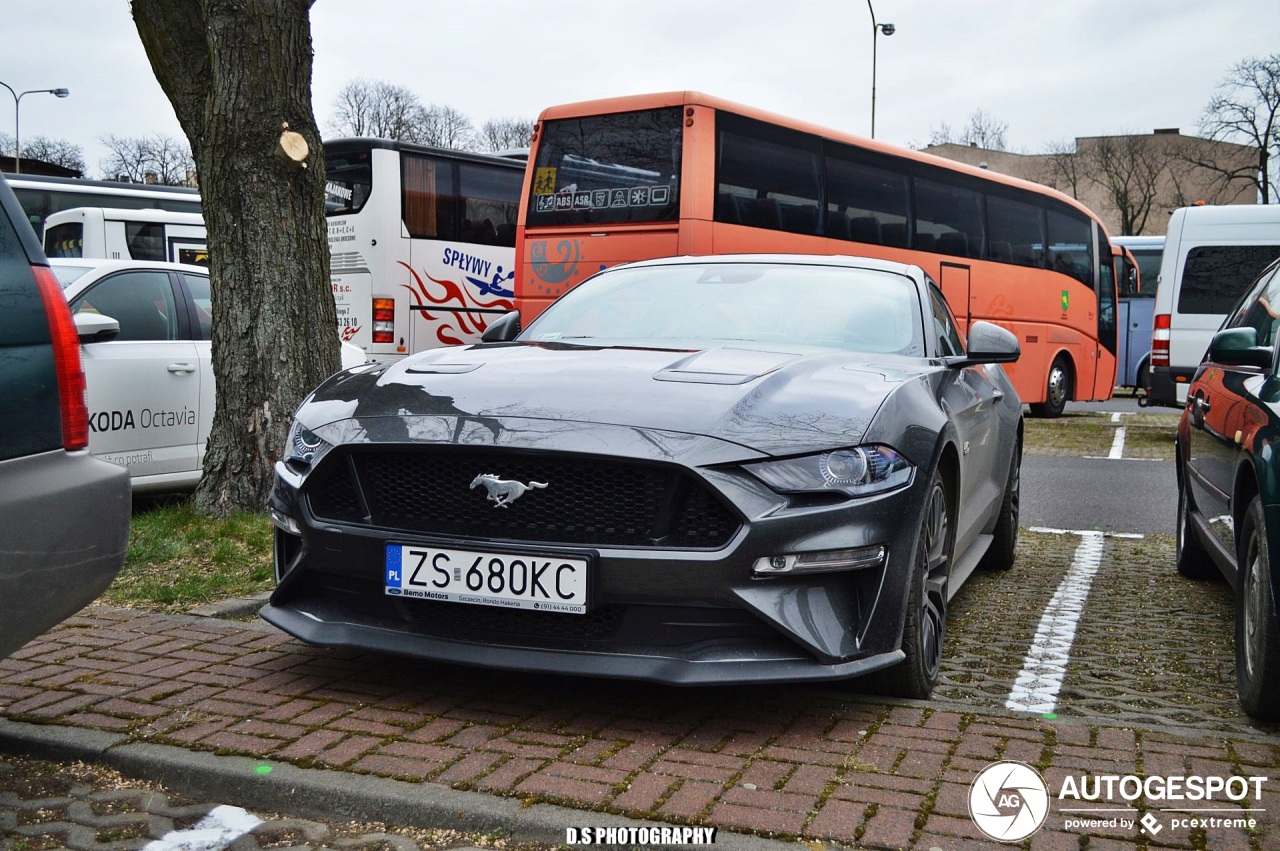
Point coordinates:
[[198, 286], [1262, 312], [1071, 246], [948, 219], [427, 197], [768, 182], [1214, 276], [944, 325], [65, 240], [865, 203], [1016, 232], [142, 302], [145, 240], [490, 199]]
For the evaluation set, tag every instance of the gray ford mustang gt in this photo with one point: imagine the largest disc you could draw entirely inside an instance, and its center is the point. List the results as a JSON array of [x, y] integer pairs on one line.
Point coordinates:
[[692, 470]]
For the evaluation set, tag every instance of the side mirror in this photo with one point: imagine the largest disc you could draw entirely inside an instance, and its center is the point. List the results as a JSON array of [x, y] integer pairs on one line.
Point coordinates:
[[1239, 347], [96, 328], [989, 343], [504, 330]]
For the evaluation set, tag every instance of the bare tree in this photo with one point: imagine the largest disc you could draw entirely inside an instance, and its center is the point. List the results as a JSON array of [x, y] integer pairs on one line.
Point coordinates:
[[501, 134], [379, 109], [1128, 169], [156, 158], [1062, 168], [239, 78], [1245, 110], [983, 130], [446, 127], [46, 149]]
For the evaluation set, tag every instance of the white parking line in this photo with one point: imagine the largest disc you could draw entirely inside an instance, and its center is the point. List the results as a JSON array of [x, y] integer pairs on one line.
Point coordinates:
[[1038, 683], [1117, 445], [222, 826]]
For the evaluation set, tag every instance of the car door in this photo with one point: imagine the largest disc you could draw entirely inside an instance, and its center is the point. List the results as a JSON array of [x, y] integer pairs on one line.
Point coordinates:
[[143, 388], [200, 308], [970, 397], [1224, 411]]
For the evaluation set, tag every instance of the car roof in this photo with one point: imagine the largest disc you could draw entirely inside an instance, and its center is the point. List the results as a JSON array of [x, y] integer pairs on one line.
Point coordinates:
[[104, 265], [839, 260]]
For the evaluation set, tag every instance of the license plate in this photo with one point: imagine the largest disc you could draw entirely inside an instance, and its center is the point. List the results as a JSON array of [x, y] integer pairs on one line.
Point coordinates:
[[542, 583]]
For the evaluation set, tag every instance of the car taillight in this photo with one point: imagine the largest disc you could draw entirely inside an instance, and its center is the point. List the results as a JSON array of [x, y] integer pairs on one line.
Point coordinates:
[[1160, 340], [66, 361], [384, 320]]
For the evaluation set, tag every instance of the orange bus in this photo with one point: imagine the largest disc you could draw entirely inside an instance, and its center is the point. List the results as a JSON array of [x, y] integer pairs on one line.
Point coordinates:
[[629, 178]]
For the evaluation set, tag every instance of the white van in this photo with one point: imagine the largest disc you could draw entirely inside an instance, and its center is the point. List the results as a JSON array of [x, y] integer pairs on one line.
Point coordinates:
[[121, 234], [1211, 255]]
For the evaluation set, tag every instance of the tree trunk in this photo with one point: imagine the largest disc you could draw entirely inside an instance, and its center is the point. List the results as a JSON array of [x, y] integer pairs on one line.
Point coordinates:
[[238, 73]]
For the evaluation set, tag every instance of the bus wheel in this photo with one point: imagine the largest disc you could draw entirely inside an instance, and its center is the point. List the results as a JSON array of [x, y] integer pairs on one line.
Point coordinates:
[[1057, 390]]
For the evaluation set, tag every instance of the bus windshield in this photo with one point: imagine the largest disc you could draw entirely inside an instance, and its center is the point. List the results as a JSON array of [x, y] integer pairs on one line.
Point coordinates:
[[601, 169], [348, 181]]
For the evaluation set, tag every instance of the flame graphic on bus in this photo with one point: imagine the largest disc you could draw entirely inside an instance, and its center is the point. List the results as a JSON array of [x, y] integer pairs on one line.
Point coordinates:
[[450, 324]]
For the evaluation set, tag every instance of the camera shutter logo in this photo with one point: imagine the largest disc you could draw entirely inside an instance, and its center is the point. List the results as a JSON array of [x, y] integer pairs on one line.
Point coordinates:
[[1008, 801]]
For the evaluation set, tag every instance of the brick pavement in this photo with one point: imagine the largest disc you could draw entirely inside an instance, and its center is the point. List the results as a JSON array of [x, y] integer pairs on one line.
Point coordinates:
[[786, 762]]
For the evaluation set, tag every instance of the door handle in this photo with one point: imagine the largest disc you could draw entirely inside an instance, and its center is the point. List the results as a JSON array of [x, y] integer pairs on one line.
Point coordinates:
[[182, 368], [998, 395], [1202, 403]]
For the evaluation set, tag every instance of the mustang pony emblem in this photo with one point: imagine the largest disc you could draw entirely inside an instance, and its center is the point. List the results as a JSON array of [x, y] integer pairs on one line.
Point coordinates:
[[503, 492]]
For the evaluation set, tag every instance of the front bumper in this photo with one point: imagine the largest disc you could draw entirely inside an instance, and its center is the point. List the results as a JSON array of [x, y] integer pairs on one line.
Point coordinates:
[[676, 616]]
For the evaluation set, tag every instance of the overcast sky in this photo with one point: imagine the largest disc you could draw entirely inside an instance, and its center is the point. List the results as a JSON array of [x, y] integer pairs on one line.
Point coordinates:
[[1051, 71]]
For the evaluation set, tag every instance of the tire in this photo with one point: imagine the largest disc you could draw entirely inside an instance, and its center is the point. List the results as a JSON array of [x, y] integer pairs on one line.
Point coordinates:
[[1190, 556], [1001, 553], [1144, 378], [925, 622], [1057, 390], [1257, 628]]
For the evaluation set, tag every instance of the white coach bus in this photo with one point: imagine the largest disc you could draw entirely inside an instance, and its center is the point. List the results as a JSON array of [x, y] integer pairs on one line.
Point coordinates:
[[422, 242]]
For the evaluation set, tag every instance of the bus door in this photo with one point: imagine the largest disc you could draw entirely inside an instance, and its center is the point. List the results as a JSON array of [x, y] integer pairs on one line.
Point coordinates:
[[954, 281]]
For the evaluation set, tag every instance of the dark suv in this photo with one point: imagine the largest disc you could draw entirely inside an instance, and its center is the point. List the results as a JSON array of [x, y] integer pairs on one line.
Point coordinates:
[[64, 515], [1229, 483]]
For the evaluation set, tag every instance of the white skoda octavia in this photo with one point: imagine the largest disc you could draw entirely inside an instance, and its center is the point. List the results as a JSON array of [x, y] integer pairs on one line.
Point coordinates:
[[150, 387]]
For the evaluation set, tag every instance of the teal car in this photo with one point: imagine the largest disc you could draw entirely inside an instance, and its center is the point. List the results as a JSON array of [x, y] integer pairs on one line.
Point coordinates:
[[1229, 483]]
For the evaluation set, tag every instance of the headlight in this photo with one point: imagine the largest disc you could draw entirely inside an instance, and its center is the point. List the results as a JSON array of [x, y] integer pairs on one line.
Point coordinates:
[[860, 471], [304, 447]]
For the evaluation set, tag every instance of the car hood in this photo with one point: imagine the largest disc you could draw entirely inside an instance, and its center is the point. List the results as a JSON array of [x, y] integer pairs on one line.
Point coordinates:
[[775, 402]]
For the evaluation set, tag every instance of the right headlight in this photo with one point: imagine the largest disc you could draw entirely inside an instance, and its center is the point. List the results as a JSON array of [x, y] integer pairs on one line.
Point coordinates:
[[857, 471], [304, 447]]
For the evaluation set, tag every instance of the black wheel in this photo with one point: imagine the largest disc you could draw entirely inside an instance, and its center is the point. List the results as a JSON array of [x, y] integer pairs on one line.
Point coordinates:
[[1257, 629], [926, 615], [1001, 553], [1057, 390], [1191, 558], [1144, 378]]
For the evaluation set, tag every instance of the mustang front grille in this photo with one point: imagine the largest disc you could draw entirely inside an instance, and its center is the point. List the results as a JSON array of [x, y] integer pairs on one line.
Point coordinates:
[[587, 501]]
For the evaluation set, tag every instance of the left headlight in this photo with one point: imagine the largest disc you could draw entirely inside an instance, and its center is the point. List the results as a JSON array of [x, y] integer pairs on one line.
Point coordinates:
[[859, 471], [304, 447]]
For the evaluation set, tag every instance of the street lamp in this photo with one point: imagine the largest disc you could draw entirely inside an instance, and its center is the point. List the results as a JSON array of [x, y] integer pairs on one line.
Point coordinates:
[[17, 103], [876, 29]]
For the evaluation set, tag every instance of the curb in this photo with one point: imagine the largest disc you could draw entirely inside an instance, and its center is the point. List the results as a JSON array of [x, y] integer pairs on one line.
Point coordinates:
[[325, 794]]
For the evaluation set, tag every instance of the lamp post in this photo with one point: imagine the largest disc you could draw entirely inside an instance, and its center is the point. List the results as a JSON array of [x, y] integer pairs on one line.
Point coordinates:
[[876, 29], [17, 105]]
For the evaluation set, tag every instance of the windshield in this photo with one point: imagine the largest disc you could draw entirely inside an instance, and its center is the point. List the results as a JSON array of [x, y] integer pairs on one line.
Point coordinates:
[[694, 305], [348, 181], [623, 167]]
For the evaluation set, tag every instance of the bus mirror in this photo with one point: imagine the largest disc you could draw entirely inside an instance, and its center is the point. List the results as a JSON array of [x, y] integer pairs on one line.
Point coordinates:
[[989, 343], [504, 330], [96, 328]]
